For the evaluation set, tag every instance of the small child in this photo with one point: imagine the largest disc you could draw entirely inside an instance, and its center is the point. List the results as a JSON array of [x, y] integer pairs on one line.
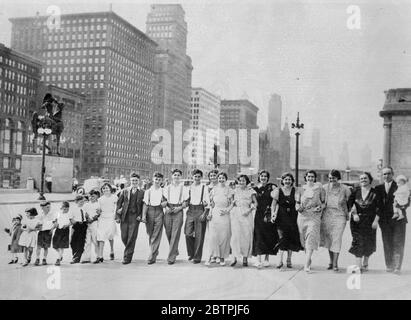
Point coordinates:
[[79, 229], [61, 238], [15, 233], [92, 211], [401, 198], [28, 239], [48, 221]]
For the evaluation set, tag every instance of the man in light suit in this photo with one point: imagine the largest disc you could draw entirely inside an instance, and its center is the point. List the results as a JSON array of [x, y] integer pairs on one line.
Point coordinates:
[[392, 230], [128, 214]]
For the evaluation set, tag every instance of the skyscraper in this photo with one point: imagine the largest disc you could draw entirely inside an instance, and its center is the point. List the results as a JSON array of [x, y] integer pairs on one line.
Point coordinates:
[[19, 81], [205, 116], [173, 68], [274, 121], [111, 62], [239, 114]]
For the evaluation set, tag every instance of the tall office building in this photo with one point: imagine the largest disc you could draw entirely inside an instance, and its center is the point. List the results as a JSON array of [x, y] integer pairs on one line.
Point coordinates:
[[205, 121], [274, 121], [19, 82], [239, 114], [173, 69], [275, 141], [111, 62]]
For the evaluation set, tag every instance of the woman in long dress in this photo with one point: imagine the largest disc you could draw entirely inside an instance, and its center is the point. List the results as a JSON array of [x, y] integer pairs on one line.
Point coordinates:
[[265, 232], [106, 224], [242, 221], [335, 217], [285, 217], [310, 206], [219, 228], [363, 207]]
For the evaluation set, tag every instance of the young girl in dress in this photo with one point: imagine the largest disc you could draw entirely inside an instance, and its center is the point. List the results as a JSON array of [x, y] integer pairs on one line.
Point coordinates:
[[15, 233], [28, 239], [62, 233], [106, 224]]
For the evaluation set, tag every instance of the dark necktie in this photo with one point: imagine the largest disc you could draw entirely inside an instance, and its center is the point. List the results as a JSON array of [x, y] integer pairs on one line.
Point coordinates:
[[82, 215]]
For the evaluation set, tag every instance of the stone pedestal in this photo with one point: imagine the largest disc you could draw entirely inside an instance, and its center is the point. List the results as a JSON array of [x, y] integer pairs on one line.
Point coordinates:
[[60, 169], [397, 131]]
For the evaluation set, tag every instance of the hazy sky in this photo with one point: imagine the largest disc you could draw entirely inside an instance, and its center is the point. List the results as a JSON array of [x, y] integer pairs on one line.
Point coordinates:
[[302, 50]]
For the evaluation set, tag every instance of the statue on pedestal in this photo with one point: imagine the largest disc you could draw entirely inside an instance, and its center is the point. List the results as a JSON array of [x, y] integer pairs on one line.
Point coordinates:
[[51, 119]]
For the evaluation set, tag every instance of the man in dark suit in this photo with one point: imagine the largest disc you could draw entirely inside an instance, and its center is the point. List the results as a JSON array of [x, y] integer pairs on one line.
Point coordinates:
[[128, 214], [392, 230]]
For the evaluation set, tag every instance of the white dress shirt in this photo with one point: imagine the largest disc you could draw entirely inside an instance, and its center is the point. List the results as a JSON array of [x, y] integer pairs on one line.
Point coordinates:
[[47, 220], [153, 196], [387, 186], [194, 193], [174, 193]]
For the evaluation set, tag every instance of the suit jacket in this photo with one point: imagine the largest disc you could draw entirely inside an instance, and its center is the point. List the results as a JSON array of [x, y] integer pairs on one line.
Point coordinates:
[[385, 201], [124, 201]]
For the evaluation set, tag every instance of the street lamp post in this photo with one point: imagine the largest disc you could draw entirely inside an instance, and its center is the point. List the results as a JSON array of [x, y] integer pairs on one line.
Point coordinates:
[[44, 131], [297, 126]]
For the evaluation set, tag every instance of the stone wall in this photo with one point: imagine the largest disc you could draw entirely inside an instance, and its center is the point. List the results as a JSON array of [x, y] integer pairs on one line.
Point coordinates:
[[60, 169]]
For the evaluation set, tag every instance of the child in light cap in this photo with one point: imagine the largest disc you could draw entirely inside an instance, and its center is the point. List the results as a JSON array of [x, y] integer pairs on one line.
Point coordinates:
[[401, 197]]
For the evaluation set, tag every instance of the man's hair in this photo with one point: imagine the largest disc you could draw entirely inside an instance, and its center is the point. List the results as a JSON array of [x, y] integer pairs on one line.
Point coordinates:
[[197, 171], [158, 175], [176, 170], [134, 175]]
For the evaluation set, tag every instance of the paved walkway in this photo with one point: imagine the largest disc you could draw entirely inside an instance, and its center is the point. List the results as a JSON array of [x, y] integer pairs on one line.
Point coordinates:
[[183, 280]]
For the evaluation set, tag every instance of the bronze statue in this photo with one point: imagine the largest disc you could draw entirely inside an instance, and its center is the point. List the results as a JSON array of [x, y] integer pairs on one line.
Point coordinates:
[[52, 119]]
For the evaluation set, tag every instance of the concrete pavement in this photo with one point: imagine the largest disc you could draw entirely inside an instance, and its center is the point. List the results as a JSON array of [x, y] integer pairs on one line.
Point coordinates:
[[183, 280]]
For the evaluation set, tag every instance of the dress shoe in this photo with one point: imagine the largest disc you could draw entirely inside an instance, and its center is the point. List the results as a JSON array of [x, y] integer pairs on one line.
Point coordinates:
[[126, 261], [97, 261], [232, 264], [190, 258], [170, 262], [111, 256], [74, 261], [397, 271], [37, 262], [85, 261], [44, 262], [57, 262], [151, 261]]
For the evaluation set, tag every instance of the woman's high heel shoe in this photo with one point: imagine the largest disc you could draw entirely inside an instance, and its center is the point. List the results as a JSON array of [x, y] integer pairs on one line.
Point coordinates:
[[233, 263]]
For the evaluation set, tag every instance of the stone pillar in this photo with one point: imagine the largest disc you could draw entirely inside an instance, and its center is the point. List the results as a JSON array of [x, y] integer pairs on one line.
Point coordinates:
[[397, 130], [387, 141]]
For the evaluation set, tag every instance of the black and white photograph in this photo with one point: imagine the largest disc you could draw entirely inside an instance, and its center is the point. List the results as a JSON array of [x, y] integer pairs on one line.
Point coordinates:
[[205, 150]]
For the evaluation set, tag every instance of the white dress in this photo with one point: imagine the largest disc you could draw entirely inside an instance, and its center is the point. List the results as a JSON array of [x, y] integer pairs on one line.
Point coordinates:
[[106, 224], [242, 223]]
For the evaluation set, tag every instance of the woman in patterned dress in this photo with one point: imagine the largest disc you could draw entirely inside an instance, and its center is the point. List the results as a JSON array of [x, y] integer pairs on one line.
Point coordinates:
[[285, 217], [335, 217], [219, 228], [309, 205], [363, 208], [242, 221], [265, 232]]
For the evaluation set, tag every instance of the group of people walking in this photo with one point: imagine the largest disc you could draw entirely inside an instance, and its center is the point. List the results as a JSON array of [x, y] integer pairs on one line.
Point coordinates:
[[219, 220]]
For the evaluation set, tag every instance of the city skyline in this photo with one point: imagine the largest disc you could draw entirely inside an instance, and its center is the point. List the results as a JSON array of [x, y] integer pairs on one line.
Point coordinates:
[[289, 53]]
